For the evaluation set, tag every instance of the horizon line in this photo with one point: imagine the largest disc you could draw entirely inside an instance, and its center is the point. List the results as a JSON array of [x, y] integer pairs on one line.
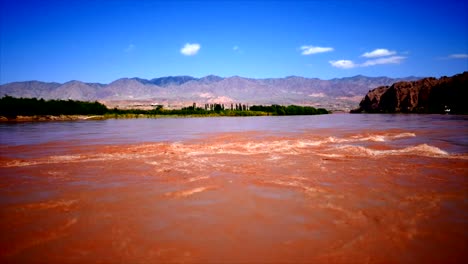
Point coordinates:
[[223, 77]]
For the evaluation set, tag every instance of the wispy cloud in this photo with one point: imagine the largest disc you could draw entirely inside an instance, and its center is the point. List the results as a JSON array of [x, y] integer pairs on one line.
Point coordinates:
[[237, 49], [348, 64], [343, 64], [378, 57], [309, 50], [130, 48], [458, 56], [388, 60], [190, 49], [378, 53]]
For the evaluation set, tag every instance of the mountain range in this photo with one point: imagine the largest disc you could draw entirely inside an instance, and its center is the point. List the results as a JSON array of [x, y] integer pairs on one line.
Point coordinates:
[[176, 91]]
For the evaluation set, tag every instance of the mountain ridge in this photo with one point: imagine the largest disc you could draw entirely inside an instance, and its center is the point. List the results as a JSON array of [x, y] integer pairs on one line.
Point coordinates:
[[337, 93]]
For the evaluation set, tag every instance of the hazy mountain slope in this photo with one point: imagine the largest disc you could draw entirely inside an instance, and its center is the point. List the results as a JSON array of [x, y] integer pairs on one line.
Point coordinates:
[[339, 93], [171, 80], [74, 90], [28, 89], [125, 89]]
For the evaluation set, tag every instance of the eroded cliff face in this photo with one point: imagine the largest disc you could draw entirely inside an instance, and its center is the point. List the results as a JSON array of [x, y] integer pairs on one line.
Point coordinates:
[[428, 95]]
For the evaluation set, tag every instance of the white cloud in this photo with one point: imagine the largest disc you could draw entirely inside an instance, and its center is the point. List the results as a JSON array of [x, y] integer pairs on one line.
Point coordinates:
[[130, 48], [378, 53], [318, 95], [190, 49], [206, 95], [343, 64], [458, 56], [348, 64], [237, 49], [388, 60], [308, 50]]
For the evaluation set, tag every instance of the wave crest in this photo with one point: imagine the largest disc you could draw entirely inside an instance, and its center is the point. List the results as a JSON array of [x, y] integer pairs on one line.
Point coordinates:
[[418, 150]]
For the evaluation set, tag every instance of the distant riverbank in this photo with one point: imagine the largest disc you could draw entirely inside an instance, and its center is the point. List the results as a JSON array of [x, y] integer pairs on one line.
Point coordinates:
[[50, 118], [45, 118], [31, 109]]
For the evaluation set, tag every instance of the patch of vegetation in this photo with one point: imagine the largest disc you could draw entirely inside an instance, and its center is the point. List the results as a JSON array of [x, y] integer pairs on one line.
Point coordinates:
[[12, 107], [289, 110]]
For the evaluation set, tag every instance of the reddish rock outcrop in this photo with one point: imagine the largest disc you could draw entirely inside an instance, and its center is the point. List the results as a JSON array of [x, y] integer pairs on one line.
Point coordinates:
[[428, 95]]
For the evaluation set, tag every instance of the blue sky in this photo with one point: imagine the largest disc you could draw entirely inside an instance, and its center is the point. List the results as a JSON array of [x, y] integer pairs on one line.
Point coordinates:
[[101, 41]]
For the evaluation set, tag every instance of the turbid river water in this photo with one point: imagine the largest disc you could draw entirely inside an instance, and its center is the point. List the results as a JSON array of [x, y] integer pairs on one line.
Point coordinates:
[[335, 188]]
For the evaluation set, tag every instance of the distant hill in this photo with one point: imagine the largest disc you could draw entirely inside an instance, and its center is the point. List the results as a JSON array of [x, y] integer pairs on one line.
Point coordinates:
[[428, 95], [338, 93]]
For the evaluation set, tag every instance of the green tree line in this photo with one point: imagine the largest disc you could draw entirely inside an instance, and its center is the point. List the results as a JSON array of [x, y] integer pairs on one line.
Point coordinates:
[[289, 110], [12, 107]]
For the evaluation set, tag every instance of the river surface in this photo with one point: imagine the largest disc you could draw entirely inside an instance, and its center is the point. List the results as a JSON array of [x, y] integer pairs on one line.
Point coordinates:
[[334, 188]]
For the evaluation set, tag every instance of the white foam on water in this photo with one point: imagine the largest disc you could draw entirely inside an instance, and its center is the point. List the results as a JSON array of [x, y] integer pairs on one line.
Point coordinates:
[[404, 135], [298, 184], [418, 150], [274, 150], [76, 158], [310, 143], [198, 178], [330, 155], [190, 192], [242, 148], [19, 163], [335, 140], [279, 147], [52, 204], [382, 138], [274, 157], [64, 158], [425, 149], [376, 138]]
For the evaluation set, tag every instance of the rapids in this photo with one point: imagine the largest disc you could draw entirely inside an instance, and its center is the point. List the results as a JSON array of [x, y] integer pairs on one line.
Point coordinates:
[[269, 190]]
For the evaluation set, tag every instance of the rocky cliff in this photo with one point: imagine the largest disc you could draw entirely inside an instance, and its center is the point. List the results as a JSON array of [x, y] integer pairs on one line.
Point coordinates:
[[428, 95]]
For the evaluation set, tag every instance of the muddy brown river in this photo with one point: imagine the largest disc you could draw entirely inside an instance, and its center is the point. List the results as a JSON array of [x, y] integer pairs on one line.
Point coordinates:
[[336, 188]]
